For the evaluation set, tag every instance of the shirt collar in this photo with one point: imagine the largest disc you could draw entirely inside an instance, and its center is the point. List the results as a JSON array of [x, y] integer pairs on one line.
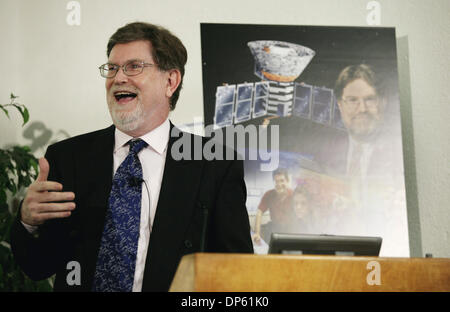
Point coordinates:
[[157, 139]]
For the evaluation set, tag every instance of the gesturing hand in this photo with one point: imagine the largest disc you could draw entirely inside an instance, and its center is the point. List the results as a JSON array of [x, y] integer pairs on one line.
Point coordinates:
[[44, 199]]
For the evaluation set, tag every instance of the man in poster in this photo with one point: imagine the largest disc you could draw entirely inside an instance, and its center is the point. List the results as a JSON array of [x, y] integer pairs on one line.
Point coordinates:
[[361, 101], [278, 202]]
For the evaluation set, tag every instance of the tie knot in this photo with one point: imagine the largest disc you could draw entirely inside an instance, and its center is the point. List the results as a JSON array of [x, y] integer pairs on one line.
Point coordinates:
[[136, 145]]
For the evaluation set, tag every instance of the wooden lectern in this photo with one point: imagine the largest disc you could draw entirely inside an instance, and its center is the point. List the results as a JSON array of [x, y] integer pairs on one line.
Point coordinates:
[[207, 272]]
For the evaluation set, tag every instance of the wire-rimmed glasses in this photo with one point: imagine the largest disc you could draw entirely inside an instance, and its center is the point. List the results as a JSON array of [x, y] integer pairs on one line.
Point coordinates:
[[130, 68]]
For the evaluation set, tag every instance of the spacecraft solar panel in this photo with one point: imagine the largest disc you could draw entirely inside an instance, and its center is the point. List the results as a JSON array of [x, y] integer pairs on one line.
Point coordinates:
[[302, 100], [225, 96], [322, 105], [337, 119], [244, 102], [243, 111], [241, 102], [260, 99], [245, 91], [261, 89]]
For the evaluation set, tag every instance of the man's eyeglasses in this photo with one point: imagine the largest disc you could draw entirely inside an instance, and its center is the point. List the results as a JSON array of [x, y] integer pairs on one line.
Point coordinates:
[[131, 68], [352, 102]]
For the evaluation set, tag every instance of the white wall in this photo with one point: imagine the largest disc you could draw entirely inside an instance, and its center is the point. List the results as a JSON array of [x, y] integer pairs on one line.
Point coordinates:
[[53, 67]]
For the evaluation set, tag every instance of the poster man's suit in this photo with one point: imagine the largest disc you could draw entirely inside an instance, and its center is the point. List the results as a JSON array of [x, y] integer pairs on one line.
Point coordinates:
[[195, 195]]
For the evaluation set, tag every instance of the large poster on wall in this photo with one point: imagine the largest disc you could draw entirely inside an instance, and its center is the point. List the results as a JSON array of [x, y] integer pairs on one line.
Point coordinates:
[[331, 93]]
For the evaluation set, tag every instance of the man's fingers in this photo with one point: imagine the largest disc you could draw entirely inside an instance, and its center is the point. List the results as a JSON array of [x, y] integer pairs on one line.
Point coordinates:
[[37, 213], [57, 197], [44, 168], [45, 208], [52, 215], [46, 186]]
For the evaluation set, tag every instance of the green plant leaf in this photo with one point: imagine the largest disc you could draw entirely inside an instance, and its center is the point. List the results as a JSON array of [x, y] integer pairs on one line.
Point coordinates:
[[25, 115], [19, 108], [4, 110], [18, 167]]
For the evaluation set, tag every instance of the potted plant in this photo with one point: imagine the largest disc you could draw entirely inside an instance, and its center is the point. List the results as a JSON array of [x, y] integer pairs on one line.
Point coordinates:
[[18, 169]]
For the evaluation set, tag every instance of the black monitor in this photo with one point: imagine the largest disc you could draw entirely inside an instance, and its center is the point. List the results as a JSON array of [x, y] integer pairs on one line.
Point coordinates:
[[340, 245]]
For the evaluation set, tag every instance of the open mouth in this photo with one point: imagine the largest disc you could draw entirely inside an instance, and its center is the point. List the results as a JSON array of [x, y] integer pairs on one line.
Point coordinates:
[[124, 96]]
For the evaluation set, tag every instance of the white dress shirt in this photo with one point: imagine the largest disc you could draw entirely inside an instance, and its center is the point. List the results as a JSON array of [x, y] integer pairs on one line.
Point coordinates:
[[364, 157], [359, 183], [152, 158]]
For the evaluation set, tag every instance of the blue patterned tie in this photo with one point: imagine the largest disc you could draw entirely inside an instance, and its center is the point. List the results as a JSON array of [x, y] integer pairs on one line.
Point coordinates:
[[117, 255]]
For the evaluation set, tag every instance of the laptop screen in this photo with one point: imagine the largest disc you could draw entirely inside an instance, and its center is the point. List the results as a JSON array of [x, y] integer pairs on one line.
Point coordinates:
[[340, 245]]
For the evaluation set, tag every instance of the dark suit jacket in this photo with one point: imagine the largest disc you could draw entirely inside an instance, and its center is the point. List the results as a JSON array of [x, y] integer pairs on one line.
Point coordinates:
[[192, 191], [385, 159]]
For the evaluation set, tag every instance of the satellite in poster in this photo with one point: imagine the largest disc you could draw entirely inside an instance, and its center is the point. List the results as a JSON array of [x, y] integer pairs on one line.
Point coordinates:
[[278, 64]]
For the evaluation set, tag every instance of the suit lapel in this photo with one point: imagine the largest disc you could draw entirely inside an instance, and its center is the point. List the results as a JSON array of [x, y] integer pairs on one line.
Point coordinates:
[[98, 167], [176, 203], [94, 166]]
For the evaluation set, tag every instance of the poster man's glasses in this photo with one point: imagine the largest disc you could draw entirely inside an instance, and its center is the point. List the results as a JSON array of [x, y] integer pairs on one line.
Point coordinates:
[[353, 102]]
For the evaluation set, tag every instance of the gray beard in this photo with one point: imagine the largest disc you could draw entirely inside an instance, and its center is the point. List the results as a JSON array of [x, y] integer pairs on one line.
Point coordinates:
[[366, 136], [129, 121]]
